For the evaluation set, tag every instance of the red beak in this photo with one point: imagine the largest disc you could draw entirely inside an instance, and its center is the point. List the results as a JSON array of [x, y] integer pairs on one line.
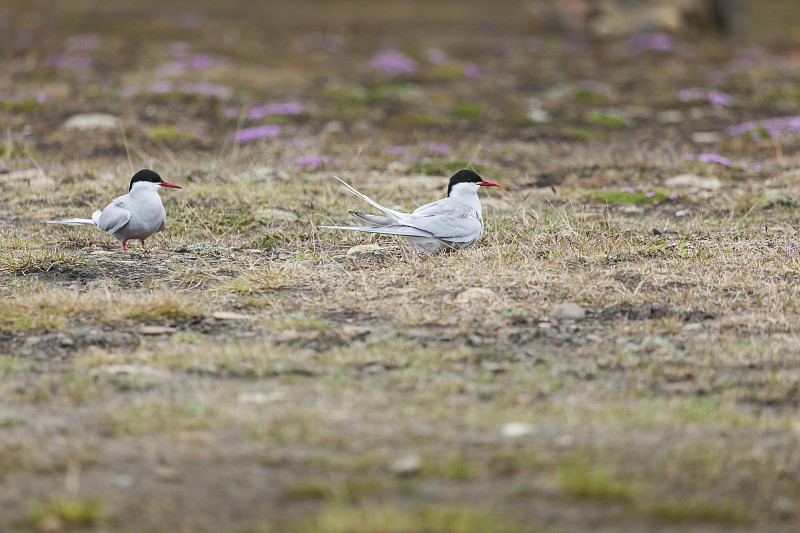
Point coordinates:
[[168, 184], [489, 184]]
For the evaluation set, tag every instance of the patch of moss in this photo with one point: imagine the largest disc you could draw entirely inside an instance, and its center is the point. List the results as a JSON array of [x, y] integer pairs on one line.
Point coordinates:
[[635, 197]]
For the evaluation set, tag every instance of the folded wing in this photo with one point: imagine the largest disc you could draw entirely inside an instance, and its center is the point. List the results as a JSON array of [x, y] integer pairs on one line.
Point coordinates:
[[113, 217]]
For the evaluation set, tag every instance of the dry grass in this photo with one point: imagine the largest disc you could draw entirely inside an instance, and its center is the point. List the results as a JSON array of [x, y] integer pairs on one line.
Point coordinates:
[[287, 377]]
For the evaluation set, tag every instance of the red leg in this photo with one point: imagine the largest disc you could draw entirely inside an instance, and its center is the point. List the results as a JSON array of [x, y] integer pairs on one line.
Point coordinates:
[[124, 248], [143, 244]]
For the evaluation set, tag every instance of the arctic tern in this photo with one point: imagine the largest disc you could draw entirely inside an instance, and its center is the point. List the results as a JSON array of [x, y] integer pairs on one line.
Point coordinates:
[[450, 223], [135, 215]]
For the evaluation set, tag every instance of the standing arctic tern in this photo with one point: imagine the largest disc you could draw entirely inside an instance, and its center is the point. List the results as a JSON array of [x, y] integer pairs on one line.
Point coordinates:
[[450, 223], [135, 215]]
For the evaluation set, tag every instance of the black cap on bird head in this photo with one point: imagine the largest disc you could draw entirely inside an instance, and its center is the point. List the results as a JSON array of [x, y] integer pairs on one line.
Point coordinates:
[[468, 176], [150, 177]]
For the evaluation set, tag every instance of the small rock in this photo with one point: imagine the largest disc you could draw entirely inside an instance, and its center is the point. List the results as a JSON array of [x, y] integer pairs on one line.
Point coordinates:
[[101, 252], [133, 370], [475, 294], [156, 330], [588, 217], [228, 315], [657, 231], [494, 368], [691, 181], [50, 524], [362, 250], [784, 507], [66, 341], [565, 441], [681, 213], [630, 209], [169, 474], [258, 398], [671, 116], [567, 311], [306, 263], [514, 430], [122, 480], [92, 121], [407, 465], [705, 137]]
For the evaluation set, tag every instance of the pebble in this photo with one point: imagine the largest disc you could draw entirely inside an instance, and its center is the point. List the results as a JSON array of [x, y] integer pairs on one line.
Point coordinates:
[[362, 250], [657, 231], [681, 213], [588, 217], [705, 137], [156, 330], [475, 294], [784, 507], [406, 465], [228, 315], [691, 181], [92, 121], [514, 430], [259, 398], [306, 263], [66, 341], [567, 311], [169, 474]]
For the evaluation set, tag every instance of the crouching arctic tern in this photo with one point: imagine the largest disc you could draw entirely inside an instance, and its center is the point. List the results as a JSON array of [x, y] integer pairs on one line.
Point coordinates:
[[135, 215], [450, 223]]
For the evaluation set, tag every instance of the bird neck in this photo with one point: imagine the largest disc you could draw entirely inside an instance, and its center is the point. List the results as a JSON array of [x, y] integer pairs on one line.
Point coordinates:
[[466, 193], [144, 191]]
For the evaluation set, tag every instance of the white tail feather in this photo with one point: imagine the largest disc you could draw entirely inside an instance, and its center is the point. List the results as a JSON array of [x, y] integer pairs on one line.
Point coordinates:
[[393, 216], [73, 222]]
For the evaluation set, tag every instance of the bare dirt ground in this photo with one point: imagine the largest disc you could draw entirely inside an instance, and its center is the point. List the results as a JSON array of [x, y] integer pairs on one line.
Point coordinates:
[[250, 372]]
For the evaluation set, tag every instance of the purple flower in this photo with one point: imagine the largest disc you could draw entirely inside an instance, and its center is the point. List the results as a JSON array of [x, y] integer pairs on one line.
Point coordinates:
[[4, 170], [472, 71], [257, 132], [757, 167], [68, 61], [713, 96], [393, 63], [650, 194], [202, 61], [396, 150], [290, 108], [434, 147], [231, 112], [629, 190], [658, 42], [713, 158], [311, 161], [772, 128]]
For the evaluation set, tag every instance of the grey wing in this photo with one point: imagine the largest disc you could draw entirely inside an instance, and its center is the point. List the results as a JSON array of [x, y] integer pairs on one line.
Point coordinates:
[[113, 217], [452, 223]]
